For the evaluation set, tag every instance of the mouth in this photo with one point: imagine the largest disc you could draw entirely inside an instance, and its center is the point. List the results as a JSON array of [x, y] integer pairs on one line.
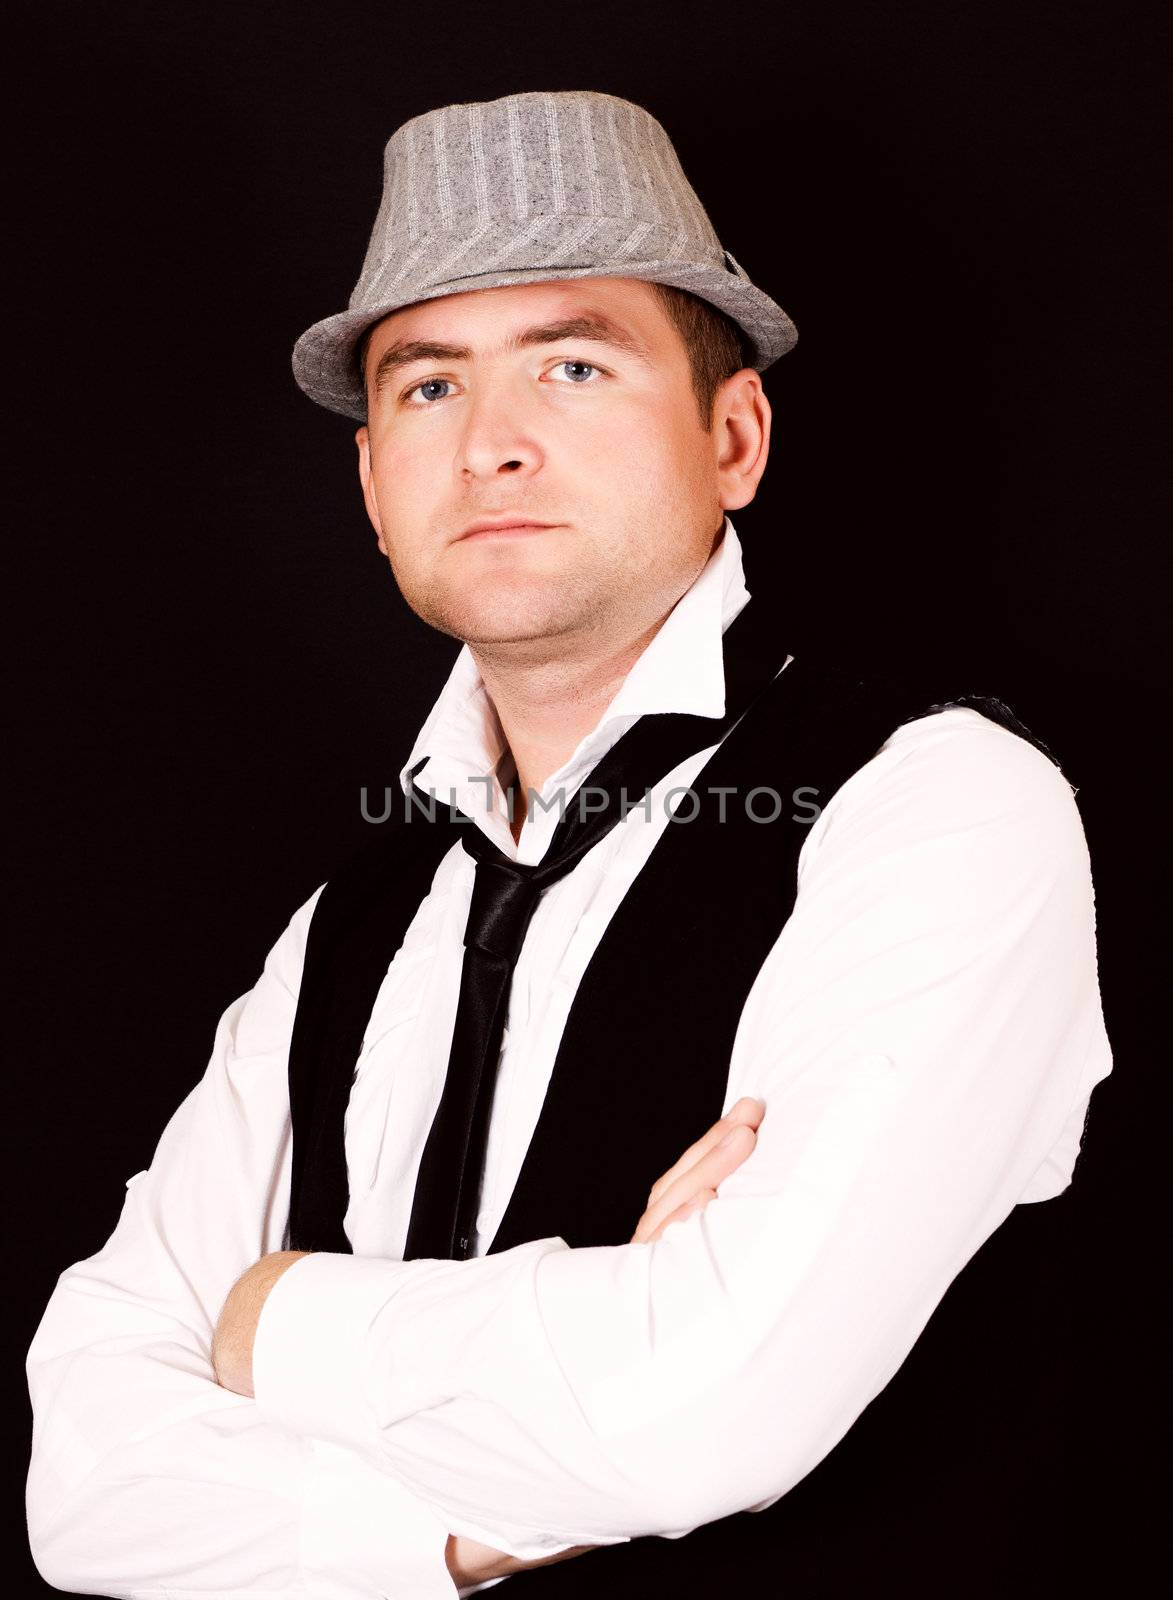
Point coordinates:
[[488, 528]]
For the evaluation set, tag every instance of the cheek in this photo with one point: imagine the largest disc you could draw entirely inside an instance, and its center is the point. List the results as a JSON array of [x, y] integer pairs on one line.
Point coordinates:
[[407, 489], [626, 449], [401, 468]]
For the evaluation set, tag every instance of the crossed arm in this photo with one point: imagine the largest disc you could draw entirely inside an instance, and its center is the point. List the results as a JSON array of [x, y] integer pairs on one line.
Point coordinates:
[[922, 1036], [148, 1476], [686, 1187]]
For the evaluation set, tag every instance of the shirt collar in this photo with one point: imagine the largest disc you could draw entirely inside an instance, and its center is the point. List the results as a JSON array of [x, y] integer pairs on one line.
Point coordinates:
[[461, 742]]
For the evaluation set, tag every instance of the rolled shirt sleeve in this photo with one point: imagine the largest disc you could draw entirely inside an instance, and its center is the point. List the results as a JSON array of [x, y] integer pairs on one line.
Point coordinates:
[[147, 1477], [921, 1033]]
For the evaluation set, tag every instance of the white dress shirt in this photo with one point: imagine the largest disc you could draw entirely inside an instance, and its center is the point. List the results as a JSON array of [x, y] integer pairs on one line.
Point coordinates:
[[925, 1034]]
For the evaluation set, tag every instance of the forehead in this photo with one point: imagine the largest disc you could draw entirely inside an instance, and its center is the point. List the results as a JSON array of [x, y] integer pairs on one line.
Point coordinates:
[[481, 318]]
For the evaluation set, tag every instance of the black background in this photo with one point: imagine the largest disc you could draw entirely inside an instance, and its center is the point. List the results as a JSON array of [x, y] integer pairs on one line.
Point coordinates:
[[958, 205]]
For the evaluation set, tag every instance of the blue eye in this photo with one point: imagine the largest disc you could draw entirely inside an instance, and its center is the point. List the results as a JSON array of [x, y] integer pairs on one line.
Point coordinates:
[[430, 383], [584, 364]]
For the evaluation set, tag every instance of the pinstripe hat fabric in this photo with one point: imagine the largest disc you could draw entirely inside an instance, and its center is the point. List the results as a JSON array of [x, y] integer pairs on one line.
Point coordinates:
[[525, 189]]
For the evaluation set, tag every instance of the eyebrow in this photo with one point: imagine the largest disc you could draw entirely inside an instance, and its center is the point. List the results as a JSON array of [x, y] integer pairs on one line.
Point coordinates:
[[592, 325]]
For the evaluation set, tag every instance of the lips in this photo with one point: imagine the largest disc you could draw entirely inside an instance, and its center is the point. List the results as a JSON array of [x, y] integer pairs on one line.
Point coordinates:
[[504, 525]]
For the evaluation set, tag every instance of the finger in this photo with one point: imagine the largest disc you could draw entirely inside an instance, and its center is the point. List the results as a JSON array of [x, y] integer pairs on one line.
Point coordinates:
[[697, 1203], [748, 1112], [707, 1173]]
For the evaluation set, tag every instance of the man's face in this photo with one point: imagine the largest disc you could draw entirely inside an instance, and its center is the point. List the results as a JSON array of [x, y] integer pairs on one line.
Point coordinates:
[[570, 404]]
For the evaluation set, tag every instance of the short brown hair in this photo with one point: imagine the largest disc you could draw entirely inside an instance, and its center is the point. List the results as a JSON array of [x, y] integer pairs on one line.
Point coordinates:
[[713, 341]]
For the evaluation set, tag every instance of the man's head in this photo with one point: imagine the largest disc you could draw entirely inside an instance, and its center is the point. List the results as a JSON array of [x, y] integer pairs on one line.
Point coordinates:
[[616, 412], [584, 352]]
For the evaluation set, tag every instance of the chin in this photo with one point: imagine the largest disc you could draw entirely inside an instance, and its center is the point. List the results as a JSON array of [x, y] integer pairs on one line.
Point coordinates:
[[485, 630], [496, 612]]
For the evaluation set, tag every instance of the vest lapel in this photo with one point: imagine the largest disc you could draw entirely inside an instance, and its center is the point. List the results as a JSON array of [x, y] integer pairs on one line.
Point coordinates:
[[360, 921]]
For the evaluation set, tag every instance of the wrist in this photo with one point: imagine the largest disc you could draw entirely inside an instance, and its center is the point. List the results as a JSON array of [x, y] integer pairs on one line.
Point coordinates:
[[233, 1340]]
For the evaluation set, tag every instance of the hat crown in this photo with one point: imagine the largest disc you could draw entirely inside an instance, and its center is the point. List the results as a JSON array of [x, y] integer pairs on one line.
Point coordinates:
[[539, 179]]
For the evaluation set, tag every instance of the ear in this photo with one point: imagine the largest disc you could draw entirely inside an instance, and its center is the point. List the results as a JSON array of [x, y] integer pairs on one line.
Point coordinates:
[[363, 440], [741, 437]]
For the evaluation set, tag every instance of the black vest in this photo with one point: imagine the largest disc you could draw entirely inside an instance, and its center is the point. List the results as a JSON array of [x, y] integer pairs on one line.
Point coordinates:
[[651, 1030]]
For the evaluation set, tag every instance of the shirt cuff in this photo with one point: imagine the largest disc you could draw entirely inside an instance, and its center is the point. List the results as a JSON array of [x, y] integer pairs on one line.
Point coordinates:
[[310, 1351]]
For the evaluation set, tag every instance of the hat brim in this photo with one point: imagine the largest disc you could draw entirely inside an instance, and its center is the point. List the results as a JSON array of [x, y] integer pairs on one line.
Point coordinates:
[[325, 363]]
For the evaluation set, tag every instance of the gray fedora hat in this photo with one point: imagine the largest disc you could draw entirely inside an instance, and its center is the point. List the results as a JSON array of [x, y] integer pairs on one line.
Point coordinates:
[[528, 188]]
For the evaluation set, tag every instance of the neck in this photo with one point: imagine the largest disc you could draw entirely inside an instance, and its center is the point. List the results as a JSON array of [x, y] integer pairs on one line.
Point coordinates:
[[546, 707], [547, 702]]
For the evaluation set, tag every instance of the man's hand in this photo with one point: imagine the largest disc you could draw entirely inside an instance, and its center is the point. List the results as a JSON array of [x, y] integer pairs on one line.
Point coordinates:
[[232, 1343], [692, 1182], [686, 1187]]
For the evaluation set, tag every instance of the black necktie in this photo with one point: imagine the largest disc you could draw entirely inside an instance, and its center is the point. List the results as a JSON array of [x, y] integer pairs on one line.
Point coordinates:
[[505, 895]]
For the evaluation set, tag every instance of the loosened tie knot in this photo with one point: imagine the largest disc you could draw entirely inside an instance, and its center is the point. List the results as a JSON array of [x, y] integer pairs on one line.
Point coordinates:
[[504, 895]]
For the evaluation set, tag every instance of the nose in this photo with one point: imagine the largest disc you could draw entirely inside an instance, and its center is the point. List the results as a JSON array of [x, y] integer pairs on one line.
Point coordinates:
[[497, 438]]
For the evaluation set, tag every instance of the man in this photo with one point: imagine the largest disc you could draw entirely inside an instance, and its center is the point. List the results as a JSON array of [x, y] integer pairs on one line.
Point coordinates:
[[384, 1316]]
